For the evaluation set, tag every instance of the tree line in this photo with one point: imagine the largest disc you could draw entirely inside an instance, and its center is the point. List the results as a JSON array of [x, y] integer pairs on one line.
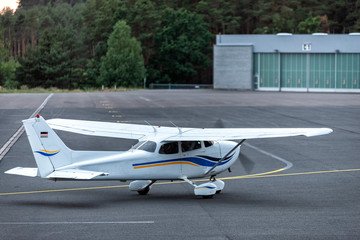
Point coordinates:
[[85, 44]]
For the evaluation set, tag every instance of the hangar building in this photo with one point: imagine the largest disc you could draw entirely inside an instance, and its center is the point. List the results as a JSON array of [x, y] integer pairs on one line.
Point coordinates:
[[285, 62]]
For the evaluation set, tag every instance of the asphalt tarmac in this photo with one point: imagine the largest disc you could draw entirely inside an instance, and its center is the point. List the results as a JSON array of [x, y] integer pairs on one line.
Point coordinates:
[[317, 198]]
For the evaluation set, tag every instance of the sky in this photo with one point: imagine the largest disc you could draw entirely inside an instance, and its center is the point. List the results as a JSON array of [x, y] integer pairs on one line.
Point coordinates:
[[11, 3]]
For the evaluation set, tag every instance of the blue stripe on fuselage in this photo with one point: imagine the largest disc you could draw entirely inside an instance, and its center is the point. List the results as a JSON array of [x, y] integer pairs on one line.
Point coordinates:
[[196, 160]]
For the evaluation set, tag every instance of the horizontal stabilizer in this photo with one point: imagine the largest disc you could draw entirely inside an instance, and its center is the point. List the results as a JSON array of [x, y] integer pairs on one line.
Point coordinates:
[[75, 174], [28, 172]]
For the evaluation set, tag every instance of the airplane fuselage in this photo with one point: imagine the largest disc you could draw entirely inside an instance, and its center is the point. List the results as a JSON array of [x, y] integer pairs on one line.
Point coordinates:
[[157, 163]]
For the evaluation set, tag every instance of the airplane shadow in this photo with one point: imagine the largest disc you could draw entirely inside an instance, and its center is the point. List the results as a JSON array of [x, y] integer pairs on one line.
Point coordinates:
[[56, 204], [103, 199]]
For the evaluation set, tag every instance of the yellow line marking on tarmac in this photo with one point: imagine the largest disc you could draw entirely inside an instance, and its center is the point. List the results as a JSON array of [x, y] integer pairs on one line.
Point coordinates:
[[259, 175], [63, 190], [291, 174], [265, 173]]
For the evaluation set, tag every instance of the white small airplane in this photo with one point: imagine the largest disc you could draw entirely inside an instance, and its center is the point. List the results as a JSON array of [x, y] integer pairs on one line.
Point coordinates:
[[162, 153]]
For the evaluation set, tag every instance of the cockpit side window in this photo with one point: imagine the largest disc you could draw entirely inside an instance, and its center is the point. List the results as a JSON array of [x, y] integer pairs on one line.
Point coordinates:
[[208, 143], [169, 148], [136, 146], [148, 146], [190, 145]]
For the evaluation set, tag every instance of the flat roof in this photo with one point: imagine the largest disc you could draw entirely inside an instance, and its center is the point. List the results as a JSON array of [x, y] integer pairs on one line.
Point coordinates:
[[294, 43]]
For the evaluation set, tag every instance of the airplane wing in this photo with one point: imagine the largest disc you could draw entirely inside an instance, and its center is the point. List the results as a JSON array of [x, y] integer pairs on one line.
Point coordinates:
[[218, 134], [135, 131], [103, 129]]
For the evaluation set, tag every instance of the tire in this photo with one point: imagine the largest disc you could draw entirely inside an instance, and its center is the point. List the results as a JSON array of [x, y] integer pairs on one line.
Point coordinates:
[[208, 196], [144, 191]]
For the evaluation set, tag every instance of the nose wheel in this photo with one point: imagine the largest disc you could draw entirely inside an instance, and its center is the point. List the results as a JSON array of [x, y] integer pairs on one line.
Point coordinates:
[[219, 184], [144, 191], [209, 189], [141, 186]]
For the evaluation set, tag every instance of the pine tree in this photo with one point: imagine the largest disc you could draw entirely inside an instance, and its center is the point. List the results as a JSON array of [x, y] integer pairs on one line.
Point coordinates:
[[123, 64], [181, 47]]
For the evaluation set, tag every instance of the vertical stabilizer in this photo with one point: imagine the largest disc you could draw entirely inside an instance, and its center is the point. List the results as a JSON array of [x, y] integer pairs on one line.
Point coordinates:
[[49, 151]]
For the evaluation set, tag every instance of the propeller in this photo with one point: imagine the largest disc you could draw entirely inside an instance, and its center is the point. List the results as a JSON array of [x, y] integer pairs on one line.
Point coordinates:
[[245, 161], [219, 123]]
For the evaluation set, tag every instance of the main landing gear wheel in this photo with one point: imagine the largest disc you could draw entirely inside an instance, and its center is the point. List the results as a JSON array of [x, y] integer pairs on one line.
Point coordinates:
[[144, 191], [208, 196]]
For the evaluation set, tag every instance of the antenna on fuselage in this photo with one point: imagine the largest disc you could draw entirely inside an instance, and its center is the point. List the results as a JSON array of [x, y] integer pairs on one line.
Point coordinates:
[[151, 126], [180, 131]]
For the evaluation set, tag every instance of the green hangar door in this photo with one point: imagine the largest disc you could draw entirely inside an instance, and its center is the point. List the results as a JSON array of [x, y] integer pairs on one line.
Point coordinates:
[[347, 71], [293, 71], [307, 71], [337, 71], [275, 71], [266, 69], [321, 71]]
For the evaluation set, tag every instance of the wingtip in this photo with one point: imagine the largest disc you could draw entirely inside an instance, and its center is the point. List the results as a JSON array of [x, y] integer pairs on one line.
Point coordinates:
[[319, 132]]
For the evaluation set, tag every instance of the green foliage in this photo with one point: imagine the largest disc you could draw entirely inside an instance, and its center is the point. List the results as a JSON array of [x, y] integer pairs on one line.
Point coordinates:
[[7, 73], [65, 43], [28, 4], [99, 16], [123, 64], [3, 51], [276, 16], [181, 47], [222, 15], [144, 18], [310, 25], [60, 57], [30, 71]]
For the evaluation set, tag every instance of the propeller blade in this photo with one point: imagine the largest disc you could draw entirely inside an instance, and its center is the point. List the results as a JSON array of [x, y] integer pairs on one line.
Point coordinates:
[[219, 123], [246, 163]]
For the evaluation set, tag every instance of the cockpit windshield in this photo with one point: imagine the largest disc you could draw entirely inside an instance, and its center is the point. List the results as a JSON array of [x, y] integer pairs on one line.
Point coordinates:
[[148, 146]]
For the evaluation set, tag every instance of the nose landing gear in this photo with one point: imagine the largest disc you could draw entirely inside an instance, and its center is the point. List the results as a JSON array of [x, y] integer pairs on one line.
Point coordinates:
[[209, 189]]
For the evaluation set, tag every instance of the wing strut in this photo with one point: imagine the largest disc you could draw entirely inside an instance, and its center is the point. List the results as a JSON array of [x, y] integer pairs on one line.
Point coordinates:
[[222, 159]]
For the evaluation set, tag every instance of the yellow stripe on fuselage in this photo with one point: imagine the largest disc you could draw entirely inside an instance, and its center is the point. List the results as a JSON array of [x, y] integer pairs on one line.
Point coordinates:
[[164, 164]]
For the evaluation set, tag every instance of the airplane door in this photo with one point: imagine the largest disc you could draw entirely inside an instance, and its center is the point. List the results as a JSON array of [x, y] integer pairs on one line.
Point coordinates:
[[197, 156], [168, 159], [191, 148]]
